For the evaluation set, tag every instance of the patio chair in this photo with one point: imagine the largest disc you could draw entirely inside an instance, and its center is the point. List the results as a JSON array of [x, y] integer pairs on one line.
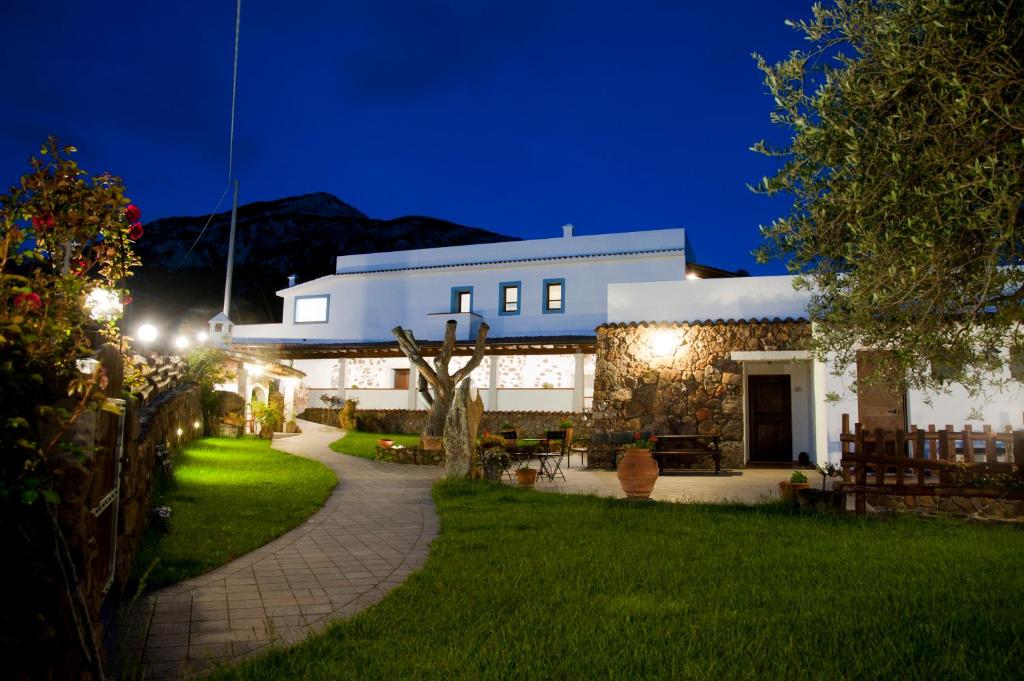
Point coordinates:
[[579, 446], [620, 440], [600, 442], [556, 445]]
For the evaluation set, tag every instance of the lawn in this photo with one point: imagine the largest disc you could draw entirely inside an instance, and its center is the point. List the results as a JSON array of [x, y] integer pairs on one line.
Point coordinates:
[[365, 444], [228, 498], [527, 584]]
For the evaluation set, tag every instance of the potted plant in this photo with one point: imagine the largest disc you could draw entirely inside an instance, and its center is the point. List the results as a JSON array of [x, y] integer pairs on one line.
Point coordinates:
[[637, 470], [266, 418], [526, 475], [494, 462], [824, 498], [788, 490]]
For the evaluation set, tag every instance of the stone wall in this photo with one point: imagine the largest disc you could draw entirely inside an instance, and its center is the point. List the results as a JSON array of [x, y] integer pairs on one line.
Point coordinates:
[[967, 504], [528, 423], [679, 378]]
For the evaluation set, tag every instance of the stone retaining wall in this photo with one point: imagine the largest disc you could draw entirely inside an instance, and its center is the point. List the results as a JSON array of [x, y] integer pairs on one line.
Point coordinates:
[[528, 423], [694, 387], [968, 506]]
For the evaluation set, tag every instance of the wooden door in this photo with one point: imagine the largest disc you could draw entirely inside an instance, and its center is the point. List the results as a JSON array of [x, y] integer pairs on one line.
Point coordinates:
[[770, 418], [401, 379], [881, 400]]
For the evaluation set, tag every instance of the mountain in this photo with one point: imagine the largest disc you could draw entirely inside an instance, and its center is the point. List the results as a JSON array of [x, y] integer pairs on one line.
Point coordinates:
[[300, 235]]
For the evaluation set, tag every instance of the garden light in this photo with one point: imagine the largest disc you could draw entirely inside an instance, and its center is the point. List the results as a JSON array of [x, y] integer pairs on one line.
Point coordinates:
[[201, 336], [147, 333], [197, 425], [180, 432], [181, 342], [103, 304]]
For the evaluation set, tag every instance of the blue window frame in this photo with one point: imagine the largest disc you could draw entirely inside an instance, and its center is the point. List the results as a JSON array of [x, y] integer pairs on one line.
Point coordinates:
[[312, 309], [510, 298], [462, 299], [553, 301]]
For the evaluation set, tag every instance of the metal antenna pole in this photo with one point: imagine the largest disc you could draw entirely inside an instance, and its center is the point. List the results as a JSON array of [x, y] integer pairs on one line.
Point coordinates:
[[231, 154]]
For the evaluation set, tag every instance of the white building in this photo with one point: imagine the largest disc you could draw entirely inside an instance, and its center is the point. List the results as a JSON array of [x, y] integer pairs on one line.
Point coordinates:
[[814, 413], [541, 298]]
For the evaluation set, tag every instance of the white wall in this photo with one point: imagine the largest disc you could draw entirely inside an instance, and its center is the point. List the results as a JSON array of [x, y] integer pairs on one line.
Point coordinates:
[[695, 300], [365, 307], [999, 409]]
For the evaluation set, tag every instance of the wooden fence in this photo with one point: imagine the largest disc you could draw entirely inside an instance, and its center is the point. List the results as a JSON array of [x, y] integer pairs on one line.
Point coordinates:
[[155, 375], [924, 462]]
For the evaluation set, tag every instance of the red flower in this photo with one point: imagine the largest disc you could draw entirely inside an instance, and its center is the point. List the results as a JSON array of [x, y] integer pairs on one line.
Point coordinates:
[[127, 300], [28, 300], [81, 267], [41, 222], [135, 231], [132, 213]]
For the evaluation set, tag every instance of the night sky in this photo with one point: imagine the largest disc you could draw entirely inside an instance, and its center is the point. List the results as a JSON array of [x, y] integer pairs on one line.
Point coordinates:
[[516, 117]]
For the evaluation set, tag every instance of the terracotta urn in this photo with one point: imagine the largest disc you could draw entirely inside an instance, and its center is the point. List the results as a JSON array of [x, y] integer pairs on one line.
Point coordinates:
[[527, 477], [637, 473]]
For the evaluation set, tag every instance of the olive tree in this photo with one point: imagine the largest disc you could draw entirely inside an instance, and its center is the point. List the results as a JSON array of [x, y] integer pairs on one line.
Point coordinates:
[[905, 163]]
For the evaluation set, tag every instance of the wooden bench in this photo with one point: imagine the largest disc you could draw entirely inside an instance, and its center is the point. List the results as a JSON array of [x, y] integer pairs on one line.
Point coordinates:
[[672, 450]]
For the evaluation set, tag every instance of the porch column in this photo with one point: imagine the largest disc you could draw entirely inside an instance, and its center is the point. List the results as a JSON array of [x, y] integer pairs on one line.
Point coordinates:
[[341, 378], [414, 379], [492, 389], [288, 386], [242, 382], [577, 385]]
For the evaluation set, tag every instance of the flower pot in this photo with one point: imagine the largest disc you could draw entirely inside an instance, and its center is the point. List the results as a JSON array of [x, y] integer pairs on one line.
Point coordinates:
[[431, 442], [637, 473], [527, 477], [788, 489], [492, 470], [386, 444]]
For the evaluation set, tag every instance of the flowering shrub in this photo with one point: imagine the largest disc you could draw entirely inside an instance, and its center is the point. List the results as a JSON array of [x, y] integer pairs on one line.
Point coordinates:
[[65, 239]]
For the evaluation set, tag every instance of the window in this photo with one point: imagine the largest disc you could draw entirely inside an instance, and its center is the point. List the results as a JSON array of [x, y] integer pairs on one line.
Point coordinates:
[[554, 296], [462, 299], [401, 379], [508, 297], [311, 309]]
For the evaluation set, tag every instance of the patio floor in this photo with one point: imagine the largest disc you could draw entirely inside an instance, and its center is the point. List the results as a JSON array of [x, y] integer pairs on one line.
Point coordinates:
[[747, 485]]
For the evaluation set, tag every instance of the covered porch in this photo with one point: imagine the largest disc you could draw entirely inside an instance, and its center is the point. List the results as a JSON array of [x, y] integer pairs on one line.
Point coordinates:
[[516, 375]]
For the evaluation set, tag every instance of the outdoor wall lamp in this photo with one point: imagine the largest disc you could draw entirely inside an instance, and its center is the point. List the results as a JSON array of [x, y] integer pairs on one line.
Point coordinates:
[[103, 304], [663, 342], [146, 333]]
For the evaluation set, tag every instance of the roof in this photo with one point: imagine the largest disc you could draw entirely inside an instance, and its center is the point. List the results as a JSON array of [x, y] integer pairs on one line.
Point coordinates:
[[704, 322], [518, 345], [478, 263]]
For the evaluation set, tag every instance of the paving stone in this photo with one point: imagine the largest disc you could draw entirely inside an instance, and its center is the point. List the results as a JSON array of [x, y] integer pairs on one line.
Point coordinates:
[[373, 531]]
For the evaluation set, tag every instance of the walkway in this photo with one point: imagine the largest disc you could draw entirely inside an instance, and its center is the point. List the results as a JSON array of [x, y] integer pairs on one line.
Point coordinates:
[[372, 532]]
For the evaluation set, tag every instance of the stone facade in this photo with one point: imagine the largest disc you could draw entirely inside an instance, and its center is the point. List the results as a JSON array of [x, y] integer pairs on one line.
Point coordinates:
[[680, 378], [528, 423], [989, 505]]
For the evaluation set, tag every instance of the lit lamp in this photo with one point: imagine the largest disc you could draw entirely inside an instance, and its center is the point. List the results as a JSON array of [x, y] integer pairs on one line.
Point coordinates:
[[692, 275], [201, 336], [181, 342], [146, 333], [103, 304], [663, 342]]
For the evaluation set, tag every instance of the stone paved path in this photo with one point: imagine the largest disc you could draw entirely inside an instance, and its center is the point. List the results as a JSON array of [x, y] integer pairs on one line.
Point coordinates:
[[372, 532]]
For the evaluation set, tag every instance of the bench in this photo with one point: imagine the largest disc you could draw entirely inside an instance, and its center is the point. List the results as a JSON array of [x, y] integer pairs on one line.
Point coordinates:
[[670, 451]]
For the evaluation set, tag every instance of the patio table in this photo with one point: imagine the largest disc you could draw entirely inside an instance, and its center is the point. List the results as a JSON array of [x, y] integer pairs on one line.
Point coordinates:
[[550, 464]]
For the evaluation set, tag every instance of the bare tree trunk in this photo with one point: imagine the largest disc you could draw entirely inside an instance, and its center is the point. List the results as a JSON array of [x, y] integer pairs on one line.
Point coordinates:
[[440, 381], [460, 431]]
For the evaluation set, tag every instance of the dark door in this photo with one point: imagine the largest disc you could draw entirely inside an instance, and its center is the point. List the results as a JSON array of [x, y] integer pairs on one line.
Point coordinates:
[[401, 379], [770, 417]]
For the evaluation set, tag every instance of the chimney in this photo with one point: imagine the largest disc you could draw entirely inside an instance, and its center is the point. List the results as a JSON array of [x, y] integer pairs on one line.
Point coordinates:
[[567, 231], [291, 280]]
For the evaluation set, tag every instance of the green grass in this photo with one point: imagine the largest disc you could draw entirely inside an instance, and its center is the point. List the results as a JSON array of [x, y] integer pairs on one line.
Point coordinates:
[[228, 498], [365, 444], [543, 586]]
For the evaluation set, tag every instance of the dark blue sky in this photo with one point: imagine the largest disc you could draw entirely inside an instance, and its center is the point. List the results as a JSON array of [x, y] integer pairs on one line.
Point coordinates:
[[516, 117]]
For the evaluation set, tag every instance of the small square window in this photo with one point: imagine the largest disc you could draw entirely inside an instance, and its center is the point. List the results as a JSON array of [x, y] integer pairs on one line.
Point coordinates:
[[554, 295], [311, 309], [508, 301]]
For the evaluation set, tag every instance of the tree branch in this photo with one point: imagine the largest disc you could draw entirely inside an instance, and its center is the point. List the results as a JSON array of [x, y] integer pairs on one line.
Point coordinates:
[[424, 389], [407, 343], [478, 354]]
